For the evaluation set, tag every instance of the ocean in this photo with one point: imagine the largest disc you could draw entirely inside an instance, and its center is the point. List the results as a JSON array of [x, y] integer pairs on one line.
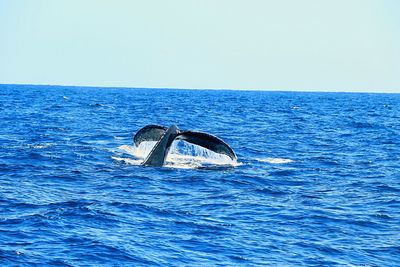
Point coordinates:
[[316, 183]]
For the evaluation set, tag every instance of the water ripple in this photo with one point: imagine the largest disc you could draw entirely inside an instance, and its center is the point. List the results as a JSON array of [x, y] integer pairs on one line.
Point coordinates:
[[316, 184]]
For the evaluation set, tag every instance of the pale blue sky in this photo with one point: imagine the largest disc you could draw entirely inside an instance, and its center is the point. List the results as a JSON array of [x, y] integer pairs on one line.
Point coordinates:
[[337, 45]]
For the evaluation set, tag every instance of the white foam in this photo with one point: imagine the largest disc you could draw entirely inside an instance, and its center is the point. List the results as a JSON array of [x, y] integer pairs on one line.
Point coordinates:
[[128, 160], [39, 146], [275, 160]]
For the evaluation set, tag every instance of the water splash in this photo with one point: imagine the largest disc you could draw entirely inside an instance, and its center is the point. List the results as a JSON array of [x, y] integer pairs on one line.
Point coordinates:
[[182, 155]]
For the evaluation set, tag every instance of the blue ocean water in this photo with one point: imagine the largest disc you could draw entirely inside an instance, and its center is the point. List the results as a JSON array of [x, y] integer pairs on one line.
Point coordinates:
[[318, 182]]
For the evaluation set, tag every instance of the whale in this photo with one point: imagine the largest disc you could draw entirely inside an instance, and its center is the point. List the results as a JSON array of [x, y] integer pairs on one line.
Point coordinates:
[[165, 136]]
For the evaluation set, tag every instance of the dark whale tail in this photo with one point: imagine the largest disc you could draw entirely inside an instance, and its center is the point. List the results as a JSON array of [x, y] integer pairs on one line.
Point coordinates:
[[165, 136]]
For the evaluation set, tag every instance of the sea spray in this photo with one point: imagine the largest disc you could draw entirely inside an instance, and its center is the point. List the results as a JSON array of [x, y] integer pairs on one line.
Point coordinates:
[[181, 155]]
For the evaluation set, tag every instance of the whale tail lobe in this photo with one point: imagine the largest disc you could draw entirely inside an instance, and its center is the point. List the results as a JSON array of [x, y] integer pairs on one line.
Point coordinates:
[[207, 141]]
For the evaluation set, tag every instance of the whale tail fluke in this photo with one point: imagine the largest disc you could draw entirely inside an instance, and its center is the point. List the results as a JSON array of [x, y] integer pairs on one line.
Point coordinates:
[[149, 133], [207, 141], [164, 137]]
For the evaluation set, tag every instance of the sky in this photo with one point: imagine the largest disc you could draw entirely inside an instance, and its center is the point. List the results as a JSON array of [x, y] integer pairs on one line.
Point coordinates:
[[307, 45]]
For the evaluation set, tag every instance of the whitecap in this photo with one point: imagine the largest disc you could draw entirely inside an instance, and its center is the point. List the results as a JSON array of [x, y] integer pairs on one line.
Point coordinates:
[[275, 160], [39, 146]]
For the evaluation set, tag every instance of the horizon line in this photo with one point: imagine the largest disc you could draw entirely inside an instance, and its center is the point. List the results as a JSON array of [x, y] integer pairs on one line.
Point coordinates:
[[205, 89]]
